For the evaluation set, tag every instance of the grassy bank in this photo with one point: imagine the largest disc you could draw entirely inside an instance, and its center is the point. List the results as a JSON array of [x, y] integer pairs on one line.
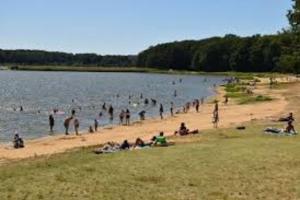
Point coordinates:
[[222, 164]]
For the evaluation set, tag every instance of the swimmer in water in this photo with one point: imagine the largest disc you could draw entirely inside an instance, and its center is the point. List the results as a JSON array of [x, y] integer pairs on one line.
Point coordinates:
[[21, 109], [104, 106]]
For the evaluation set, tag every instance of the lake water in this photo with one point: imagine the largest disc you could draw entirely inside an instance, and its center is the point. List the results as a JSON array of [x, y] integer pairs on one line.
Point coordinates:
[[40, 92]]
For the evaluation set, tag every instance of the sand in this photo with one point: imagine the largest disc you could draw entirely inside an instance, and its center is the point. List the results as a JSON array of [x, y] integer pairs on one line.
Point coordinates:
[[231, 115]]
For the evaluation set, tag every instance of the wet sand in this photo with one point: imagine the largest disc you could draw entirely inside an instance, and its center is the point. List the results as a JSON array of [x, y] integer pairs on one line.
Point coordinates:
[[231, 115]]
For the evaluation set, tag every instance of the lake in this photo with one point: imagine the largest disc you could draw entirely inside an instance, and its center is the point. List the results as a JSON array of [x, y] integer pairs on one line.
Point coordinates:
[[40, 92]]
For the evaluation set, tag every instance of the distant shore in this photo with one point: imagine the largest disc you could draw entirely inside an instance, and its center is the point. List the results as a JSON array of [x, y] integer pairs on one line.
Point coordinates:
[[50, 68]]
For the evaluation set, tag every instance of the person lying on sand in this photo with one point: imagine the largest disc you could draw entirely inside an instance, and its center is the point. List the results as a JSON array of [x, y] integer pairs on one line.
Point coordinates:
[[18, 142], [183, 130]]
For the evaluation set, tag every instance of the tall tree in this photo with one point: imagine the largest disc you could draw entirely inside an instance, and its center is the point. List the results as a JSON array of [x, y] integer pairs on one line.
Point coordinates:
[[294, 16]]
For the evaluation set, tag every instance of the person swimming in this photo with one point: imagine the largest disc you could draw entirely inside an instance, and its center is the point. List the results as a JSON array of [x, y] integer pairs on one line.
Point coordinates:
[[104, 106], [146, 101], [153, 101]]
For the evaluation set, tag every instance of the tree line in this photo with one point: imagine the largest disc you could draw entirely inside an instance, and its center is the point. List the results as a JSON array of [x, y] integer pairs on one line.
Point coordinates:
[[37, 57], [230, 53], [280, 52]]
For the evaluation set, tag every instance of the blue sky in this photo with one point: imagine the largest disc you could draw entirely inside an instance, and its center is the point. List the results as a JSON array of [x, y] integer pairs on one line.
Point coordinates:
[[130, 26]]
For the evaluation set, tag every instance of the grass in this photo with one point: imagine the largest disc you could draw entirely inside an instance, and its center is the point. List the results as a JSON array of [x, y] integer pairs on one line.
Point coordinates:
[[222, 164], [254, 99]]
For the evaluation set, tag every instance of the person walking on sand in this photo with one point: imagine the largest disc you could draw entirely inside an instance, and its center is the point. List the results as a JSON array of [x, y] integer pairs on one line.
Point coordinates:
[[161, 111], [127, 116], [216, 118], [51, 122], [226, 100], [96, 125], [76, 126], [67, 124], [216, 109]]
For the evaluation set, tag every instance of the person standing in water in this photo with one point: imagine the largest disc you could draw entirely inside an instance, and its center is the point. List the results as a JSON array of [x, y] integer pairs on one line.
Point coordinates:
[[111, 113], [73, 112], [172, 109], [51, 122], [127, 115], [197, 105], [175, 93], [76, 126], [96, 125], [104, 106], [161, 111], [67, 124], [121, 116]]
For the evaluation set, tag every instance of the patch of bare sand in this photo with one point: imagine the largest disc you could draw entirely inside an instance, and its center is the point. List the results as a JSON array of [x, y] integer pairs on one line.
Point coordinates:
[[230, 115]]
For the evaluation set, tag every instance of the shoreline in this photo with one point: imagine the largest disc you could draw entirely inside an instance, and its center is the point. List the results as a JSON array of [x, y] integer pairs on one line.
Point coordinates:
[[230, 115]]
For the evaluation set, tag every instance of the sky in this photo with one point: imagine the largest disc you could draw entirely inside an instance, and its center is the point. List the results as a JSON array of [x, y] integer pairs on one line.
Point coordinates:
[[124, 27]]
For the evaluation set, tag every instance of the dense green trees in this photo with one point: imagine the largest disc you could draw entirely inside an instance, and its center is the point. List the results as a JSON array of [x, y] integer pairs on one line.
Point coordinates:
[[229, 53], [279, 52], [35, 57]]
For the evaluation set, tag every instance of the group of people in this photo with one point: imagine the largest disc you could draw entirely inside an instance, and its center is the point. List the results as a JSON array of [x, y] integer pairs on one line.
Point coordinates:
[[112, 147], [124, 116]]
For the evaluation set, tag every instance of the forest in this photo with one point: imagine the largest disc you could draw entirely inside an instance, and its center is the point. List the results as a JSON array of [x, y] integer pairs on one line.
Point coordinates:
[[280, 52]]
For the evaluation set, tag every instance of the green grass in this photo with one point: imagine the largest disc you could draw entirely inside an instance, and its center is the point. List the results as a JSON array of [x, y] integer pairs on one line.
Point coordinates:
[[222, 164], [254, 99]]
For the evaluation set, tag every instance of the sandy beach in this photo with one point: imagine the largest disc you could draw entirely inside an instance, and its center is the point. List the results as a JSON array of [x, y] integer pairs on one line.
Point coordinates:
[[231, 115]]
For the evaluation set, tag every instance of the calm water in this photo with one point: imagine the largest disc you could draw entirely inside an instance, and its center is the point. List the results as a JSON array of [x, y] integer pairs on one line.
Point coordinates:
[[40, 92]]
